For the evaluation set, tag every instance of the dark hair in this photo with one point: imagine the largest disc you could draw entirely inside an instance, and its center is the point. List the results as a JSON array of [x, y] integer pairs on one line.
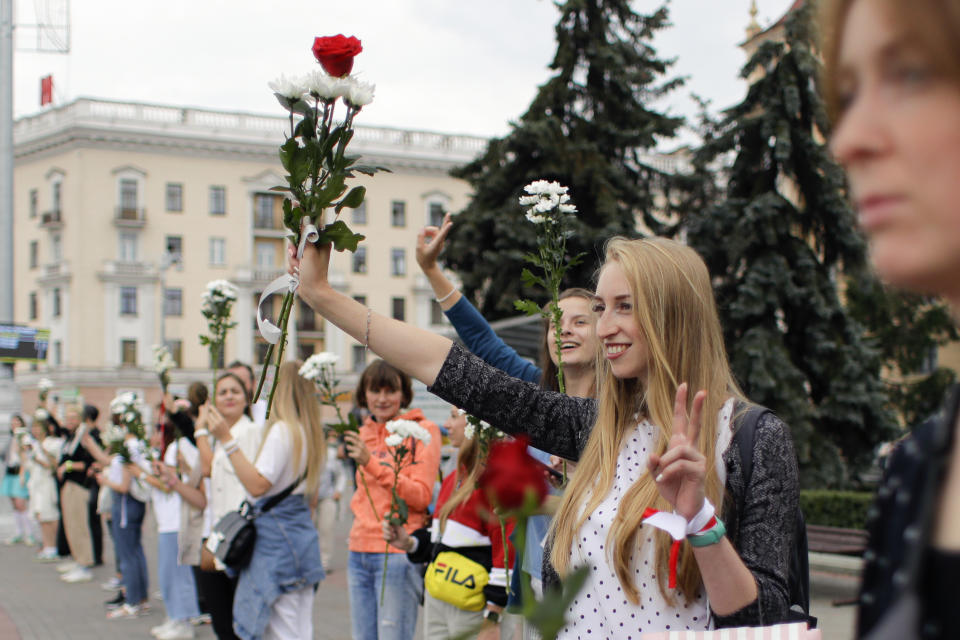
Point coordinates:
[[380, 374], [197, 394], [90, 412], [548, 375], [236, 363], [183, 421], [246, 394]]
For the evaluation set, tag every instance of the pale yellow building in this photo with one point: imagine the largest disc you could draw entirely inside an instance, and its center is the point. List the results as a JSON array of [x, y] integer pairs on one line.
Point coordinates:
[[123, 212]]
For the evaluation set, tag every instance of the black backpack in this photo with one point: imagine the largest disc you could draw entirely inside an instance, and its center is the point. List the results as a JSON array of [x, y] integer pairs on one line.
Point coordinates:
[[798, 581]]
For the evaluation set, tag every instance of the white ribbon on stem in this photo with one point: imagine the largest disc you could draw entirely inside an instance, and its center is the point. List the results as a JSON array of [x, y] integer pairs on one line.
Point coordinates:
[[271, 332]]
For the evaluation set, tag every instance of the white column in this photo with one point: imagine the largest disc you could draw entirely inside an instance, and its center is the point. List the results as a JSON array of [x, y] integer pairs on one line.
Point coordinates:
[[243, 337]]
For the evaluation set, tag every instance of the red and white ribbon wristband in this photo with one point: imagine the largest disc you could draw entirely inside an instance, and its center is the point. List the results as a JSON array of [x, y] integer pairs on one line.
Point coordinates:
[[679, 528]]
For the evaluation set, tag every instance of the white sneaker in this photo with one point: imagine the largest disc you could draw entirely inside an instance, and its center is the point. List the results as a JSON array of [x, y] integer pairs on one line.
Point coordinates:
[[80, 574], [112, 584], [67, 567], [179, 630], [160, 628]]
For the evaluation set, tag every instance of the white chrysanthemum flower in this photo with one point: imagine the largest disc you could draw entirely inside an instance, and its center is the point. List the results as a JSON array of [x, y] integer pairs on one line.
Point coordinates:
[[41, 414], [292, 88], [394, 440], [468, 431], [544, 187], [162, 359], [461, 412], [526, 201], [568, 208], [358, 94], [45, 384], [536, 219], [322, 85], [409, 429], [325, 358]]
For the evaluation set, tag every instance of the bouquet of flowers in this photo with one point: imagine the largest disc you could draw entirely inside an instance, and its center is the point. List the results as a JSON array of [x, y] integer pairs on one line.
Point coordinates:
[[127, 412], [43, 388], [163, 362], [217, 304], [314, 157], [402, 442]]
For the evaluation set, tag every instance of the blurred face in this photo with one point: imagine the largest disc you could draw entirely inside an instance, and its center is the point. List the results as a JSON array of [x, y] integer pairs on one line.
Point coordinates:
[[579, 339], [620, 338], [898, 136], [71, 420], [455, 425], [16, 422], [243, 374], [230, 399], [38, 430], [383, 403]]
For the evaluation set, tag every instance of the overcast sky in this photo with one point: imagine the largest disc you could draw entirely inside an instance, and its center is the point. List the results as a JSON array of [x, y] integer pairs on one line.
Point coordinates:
[[457, 66]]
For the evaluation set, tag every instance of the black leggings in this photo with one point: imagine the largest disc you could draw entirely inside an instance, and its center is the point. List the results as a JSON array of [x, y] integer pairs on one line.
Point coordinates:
[[217, 591]]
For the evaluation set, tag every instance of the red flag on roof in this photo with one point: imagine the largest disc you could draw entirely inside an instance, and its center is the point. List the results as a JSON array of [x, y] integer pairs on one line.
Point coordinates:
[[46, 90]]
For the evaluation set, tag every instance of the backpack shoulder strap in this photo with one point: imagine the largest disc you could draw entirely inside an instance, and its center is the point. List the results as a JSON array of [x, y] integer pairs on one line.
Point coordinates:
[[745, 436]]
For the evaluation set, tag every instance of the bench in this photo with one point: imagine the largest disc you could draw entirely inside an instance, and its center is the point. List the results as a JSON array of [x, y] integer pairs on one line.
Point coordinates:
[[823, 539]]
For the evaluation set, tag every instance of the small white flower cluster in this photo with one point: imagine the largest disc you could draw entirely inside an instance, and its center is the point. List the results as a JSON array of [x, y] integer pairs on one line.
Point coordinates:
[[41, 414], [45, 384], [323, 86], [400, 430], [162, 359], [112, 434], [219, 292], [545, 197], [319, 365], [128, 407], [491, 433]]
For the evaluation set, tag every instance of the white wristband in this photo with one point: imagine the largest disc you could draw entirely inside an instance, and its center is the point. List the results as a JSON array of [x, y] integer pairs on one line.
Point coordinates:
[[201, 432], [444, 298], [699, 521]]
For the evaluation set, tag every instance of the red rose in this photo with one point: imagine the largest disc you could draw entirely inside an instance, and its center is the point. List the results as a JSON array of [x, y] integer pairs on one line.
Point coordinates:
[[511, 475], [336, 53]]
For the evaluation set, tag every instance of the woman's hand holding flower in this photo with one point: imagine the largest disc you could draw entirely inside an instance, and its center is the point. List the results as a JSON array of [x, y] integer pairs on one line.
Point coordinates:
[[217, 425], [311, 269], [395, 535], [681, 470], [356, 448]]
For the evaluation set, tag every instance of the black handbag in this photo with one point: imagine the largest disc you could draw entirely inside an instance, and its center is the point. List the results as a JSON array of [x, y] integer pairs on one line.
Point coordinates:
[[232, 539]]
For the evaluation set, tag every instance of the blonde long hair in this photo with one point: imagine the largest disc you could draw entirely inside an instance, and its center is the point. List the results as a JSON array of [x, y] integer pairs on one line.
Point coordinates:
[[295, 403], [467, 473], [675, 310]]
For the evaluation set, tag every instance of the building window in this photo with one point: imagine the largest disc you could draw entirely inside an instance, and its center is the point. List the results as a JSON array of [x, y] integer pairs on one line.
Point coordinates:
[[399, 308], [34, 253], [34, 203], [173, 301], [398, 213], [263, 211], [361, 299], [174, 197], [175, 347], [57, 353], [398, 262], [262, 352], [307, 319], [218, 251], [435, 215], [174, 247], [266, 253], [128, 353], [359, 358], [56, 248], [359, 215], [128, 197], [436, 312], [218, 201], [33, 305], [128, 301], [360, 260], [127, 251], [307, 350], [56, 197], [56, 302]]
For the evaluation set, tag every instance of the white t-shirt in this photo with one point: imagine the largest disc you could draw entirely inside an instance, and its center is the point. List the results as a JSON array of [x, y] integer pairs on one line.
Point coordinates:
[[166, 506], [226, 491], [601, 609], [275, 460]]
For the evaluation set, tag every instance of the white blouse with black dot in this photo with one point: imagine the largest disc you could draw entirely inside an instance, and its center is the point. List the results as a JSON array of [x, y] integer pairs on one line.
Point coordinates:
[[601, 609]]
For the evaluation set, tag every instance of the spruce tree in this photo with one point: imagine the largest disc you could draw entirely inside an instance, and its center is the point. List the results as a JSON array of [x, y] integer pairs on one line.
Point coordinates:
[[588, 128], [778, 247]]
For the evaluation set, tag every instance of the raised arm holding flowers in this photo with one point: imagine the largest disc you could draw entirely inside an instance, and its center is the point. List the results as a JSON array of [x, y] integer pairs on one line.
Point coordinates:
[[314, 157], [217, 305]]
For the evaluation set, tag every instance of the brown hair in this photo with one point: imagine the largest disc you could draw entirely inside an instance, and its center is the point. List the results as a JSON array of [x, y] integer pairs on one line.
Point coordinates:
[[380, 374], [548, 376], [197, 394], [931, 25]]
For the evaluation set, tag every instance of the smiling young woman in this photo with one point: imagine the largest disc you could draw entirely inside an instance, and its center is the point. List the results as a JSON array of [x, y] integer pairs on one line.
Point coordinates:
[[892, 77], [645, 444]]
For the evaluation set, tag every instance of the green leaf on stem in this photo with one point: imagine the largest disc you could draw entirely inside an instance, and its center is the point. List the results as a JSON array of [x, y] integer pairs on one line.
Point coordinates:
[[547, 616], [530, 279], [279, 188], [528, 307], [353, 199]]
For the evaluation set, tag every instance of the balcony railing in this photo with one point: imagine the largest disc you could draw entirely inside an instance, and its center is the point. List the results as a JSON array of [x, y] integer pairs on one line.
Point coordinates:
[[51, 219], [130, 217], [266, 222]]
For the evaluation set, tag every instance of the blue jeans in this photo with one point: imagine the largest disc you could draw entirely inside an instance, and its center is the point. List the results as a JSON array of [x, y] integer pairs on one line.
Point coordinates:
[[127, 514], [176, 580], [397, 618]]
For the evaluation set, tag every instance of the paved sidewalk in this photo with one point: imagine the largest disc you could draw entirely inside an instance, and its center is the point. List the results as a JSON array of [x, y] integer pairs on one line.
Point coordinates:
[[36, 605]]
